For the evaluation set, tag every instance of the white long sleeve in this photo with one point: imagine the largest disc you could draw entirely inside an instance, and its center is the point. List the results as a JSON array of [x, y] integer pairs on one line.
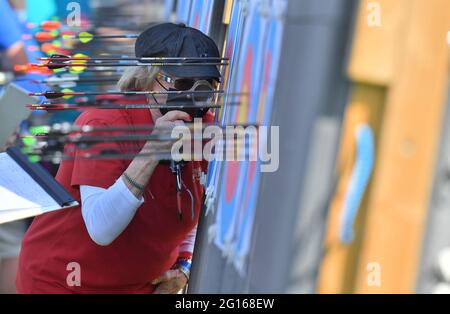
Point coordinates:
[[107, 212], [188, 244]]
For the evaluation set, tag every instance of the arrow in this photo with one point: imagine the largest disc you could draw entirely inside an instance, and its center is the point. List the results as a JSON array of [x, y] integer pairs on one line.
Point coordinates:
[[67, 128], [38, 155], [83, 37], [55, 94], [80, 138], [121, 106], [59, 80], [51, 65], [56, 158], [86, 37], [27, 68], [60, 57]]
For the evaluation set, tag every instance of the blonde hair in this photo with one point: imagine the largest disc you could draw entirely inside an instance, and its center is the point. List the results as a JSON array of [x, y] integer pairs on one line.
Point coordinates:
[[137, 78]]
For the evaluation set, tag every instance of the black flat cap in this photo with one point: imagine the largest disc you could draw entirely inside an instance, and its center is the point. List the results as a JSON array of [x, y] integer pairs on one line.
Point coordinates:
[[178, 40]]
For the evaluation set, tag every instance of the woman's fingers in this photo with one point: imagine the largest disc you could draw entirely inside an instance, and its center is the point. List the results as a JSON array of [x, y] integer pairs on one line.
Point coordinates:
[[178, 122], [169, 287], [171, 282], [168, 275], [176, 115], [165, 125]]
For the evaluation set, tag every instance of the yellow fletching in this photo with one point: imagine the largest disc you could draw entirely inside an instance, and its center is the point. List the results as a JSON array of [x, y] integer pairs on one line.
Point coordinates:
[[66, 90], [78, 69], [56, 43], [85, 37]]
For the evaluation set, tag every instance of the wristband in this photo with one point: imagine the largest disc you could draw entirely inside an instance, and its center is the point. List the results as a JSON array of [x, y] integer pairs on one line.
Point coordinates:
[[184, 265]]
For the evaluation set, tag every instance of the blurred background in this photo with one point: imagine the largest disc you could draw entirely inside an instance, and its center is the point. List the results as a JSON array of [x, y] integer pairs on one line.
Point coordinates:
[[360, 202]]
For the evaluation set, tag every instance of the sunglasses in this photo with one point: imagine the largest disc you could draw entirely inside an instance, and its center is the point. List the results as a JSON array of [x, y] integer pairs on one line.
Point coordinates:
[[185, 84]]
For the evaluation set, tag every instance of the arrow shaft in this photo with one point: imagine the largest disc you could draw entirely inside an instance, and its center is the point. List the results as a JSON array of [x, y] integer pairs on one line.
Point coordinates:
[[129, 36], [66, 128], [163, 156], [78, 80], [159, 64], [62, 94], [120, 106], [128, 58]]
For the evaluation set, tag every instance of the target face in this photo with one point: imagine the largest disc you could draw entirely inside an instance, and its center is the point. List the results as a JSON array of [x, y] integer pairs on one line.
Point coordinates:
[[183, 9], [229, 76], [249, 202], [236, 177], [200, 15]]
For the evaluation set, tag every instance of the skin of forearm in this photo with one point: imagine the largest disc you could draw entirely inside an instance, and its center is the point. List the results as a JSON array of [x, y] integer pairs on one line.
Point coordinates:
[[141, 169]]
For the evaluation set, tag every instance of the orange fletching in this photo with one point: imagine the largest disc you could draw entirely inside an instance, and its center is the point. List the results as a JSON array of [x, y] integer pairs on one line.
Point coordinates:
[[47, 47], [50, 25], [44, 36], [31, 68]]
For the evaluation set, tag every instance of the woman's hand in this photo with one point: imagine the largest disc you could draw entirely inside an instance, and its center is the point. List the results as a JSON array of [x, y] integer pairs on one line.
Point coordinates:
[[141, 169], [171, 119], [171, 282], [164, 125]]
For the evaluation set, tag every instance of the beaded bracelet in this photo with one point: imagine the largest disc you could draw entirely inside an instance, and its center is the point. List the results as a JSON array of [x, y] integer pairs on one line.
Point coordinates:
[[138, 186]]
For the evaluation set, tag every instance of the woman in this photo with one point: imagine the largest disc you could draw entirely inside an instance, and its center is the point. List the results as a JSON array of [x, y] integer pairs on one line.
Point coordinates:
[[127, 236]]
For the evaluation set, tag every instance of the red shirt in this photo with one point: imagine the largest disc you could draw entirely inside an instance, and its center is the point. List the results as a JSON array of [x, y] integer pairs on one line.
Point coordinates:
[[145, 250]]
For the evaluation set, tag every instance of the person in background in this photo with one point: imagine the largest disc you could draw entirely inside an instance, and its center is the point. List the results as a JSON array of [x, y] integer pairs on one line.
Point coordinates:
[[12, 52], [12, 48]]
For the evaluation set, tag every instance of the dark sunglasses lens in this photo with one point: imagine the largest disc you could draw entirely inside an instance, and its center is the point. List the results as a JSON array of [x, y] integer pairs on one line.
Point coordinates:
[[184, 84], [203, 93]]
